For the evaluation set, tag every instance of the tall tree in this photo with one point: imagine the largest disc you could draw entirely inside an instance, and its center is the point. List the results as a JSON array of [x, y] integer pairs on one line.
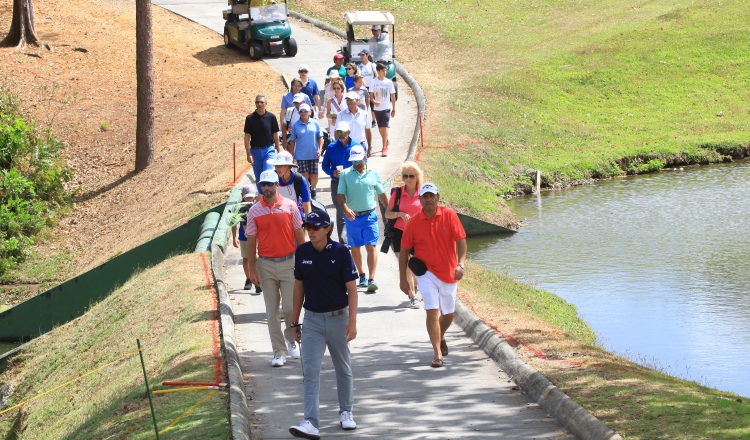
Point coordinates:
[[22, 30], [144, 67]]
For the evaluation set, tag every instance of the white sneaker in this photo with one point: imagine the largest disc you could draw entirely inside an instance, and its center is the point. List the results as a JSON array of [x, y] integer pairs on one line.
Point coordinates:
[[293, 350], [347, 420], [278, 361], [414, 303], [305, 429]]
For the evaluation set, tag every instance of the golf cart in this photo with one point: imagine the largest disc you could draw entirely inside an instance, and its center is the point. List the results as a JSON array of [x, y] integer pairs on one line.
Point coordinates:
[[260, 27], [359, 36]]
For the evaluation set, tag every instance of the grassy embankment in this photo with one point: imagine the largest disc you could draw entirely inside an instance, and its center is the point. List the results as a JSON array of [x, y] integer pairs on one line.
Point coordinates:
[[170, 309], [574, 89], [591, 89]]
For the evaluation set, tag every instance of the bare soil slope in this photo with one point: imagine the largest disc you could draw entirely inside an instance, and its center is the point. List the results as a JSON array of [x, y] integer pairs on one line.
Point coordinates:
[[84, 88]]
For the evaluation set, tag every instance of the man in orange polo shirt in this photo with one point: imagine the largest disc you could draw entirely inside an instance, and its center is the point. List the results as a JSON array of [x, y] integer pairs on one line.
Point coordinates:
[[439, 243], [275, 226]]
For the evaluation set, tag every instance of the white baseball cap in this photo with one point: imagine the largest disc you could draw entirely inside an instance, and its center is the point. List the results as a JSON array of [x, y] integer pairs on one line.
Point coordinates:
[[299, 97], [304, 108], [282, 158], [303, 67], [357, 153], [428, 187], [334, 73], [352, 95], [342, 126], [269, 176]]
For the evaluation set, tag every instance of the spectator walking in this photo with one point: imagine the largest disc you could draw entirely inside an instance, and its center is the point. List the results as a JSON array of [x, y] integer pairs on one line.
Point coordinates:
[[335, 103], [359, 122], [383, 95], [408, 206], [366, 67], [239, 238], [325, 285], [363, 94], [306, 141], [358, 193], [338, 66], [439, 244], [287, 100], [292, 185], [351, 70], [275, 227], [335, 159], [290, 117], [310, 88], [261, 137]]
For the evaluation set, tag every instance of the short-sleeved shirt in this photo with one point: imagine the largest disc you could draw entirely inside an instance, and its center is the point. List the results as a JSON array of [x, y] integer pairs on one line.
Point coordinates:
[[342, 70], [381, 91], [288, 101], [324, 275], [363, 95], [261, 129], [357, 123], [311, 89], [360, 189], [337, 154], [408, 204], [274, 225], [434, 241], [368, 72], [305, 136], [288, 191]]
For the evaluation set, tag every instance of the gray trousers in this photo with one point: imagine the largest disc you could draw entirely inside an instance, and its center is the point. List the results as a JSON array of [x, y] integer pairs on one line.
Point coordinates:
[[319, 331], [340, 225]]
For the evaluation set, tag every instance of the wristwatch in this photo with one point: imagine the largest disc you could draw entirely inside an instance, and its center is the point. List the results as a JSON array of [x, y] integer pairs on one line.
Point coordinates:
[[462, 265]]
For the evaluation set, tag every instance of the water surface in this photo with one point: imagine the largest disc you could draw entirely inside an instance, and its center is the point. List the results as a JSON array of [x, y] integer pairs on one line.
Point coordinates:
[[658, 265]]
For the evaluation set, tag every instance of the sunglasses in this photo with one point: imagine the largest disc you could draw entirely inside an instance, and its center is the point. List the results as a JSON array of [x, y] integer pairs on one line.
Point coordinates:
[[408, 176], [303, 111], [260, 102], [341, 132], [315, 228], [349, 68], [267, 183], [357, 161], [303, 71]]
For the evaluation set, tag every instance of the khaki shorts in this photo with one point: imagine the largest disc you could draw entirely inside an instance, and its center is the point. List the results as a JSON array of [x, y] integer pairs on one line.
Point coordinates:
[[243, 249]]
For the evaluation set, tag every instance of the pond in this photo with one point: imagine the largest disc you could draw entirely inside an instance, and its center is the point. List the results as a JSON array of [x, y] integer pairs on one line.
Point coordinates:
[[658, 265]]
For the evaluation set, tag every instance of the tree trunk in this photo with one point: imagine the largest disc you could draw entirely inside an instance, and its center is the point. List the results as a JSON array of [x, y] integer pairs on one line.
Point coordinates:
[[22, 30], [144, 66]]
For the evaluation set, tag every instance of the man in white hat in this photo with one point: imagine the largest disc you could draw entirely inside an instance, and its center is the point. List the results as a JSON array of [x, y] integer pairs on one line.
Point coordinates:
[[274, 225], [290, 117], [292, 186], [439, 243], [306, 141], [310, 88], [359, 120], [335, 160], [358, 193]]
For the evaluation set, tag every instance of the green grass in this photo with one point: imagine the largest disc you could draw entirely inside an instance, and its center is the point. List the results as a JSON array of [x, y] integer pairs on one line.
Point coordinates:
[[167, 307], [576, 89]]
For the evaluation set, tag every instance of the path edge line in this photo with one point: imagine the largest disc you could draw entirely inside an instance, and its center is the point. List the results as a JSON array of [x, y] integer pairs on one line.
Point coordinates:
[[559, 405]]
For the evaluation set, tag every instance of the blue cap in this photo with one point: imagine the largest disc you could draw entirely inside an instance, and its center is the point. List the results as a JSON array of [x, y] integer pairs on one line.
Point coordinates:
[[318, 218]]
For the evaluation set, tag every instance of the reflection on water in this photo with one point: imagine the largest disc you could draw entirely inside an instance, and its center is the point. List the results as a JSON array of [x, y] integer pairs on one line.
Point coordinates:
[[658, 265]]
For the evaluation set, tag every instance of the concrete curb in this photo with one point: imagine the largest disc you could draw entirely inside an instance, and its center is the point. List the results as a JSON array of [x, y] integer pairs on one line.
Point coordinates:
[[558, 404], [239, 413]]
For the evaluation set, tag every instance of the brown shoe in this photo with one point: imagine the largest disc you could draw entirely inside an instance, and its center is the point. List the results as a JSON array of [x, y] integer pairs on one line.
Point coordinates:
[[436, 363], [443, 348]]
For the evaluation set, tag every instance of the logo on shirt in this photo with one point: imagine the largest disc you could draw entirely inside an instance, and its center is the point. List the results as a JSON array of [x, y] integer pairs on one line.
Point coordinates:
[[306, 261], [333, 261], [328, 246]]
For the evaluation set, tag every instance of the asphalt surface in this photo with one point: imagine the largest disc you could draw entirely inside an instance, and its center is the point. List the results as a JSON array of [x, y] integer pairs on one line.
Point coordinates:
[[397, 393]]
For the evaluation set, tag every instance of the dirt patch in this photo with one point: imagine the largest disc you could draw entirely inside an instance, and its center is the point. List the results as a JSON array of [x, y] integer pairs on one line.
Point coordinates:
[[84, 88]]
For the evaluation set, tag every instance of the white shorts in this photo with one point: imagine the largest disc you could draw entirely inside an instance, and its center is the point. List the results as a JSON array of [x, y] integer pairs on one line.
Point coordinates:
[[437, 294]]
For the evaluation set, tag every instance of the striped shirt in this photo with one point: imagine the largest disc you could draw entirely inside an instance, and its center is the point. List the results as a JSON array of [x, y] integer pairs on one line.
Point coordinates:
[[360, 189], [274, 225]]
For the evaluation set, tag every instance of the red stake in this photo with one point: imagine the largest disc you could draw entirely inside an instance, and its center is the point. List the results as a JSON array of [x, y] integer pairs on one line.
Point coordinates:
[[234, 161]]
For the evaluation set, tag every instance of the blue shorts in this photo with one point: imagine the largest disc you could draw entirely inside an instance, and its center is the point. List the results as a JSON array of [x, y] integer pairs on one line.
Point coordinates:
[[362, 230]]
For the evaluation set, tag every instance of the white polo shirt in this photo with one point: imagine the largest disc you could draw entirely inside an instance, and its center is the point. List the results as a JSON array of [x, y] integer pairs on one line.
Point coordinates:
[[357, 123]]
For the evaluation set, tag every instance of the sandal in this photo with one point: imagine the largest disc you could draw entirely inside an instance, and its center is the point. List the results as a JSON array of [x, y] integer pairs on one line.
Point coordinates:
[[436, 363]]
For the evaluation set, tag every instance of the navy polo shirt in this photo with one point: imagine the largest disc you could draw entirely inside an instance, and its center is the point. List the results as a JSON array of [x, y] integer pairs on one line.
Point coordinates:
[[324, 275]]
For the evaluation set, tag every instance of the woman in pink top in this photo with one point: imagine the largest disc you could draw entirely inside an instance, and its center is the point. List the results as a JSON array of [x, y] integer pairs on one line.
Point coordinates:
[[409, 206]]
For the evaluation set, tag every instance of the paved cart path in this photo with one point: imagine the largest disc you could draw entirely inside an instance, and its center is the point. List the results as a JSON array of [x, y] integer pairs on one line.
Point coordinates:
[[397, 394]]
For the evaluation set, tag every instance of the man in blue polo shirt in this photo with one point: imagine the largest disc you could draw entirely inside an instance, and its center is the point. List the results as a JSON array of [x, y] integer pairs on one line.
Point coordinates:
[[359, 191], [336, 159], [324, 285]]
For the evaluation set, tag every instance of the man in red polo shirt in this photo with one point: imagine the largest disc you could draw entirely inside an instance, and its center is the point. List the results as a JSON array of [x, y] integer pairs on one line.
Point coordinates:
[[439, 243], [275, 226]]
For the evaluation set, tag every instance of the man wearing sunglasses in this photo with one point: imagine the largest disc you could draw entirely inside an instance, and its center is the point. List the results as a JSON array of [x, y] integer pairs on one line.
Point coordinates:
[[359, 120], [275, 226], [261, 137], [358, 193], [325, 285], [336, 159], [310, 88]]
